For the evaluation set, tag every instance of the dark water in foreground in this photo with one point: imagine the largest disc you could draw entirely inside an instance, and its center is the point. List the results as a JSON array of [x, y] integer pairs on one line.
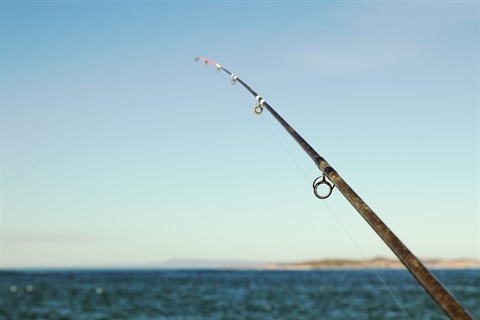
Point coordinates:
[[212, 294]]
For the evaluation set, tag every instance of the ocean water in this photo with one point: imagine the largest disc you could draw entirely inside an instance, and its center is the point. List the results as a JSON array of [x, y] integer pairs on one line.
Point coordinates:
[[218, 294]]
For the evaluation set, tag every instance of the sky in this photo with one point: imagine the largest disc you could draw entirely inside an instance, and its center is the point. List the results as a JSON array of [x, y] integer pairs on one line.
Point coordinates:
[[118, 149]]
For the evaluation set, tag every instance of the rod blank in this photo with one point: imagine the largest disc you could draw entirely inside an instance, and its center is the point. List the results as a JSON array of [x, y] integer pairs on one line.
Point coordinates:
[[435, 289]]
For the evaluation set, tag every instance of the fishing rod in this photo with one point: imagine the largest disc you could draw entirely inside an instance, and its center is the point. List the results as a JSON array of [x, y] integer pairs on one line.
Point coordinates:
[[437, 291]]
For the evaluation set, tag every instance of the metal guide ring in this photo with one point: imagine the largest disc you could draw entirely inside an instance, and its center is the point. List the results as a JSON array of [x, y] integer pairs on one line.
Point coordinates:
[[317, 184], [258, 109]]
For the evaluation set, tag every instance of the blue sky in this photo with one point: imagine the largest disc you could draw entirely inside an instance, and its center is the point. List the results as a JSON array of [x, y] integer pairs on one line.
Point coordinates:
[[119, 149]]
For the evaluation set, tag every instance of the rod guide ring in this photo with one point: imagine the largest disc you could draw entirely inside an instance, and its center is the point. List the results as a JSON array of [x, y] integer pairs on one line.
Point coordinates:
[[317, 183], [258, 109]]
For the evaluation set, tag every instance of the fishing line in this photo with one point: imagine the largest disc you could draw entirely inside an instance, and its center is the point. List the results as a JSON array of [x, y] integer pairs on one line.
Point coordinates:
[[98, 123], [357, 246], [365, 258], [285, 148], [342, 226]]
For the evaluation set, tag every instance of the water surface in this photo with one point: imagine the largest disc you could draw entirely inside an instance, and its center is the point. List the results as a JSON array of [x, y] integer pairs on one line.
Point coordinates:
[[218, 294]]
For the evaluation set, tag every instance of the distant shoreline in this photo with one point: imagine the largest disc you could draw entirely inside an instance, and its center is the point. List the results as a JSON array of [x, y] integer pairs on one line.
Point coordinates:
[[376, 263]]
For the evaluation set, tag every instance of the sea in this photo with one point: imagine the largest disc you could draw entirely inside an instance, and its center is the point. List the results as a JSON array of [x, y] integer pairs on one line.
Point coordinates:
[[228, 294]]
